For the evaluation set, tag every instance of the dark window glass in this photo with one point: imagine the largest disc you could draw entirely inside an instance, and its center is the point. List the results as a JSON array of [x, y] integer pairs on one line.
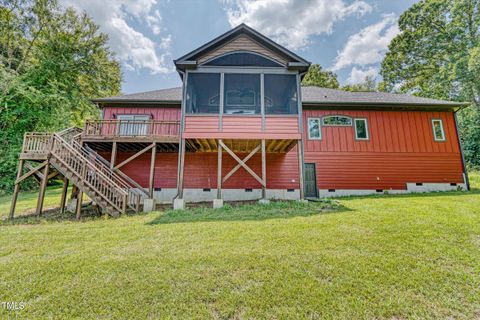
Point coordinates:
[[361, 129], [243, 59], [336, 121], [241, 94], [280, 94], [203, 93]]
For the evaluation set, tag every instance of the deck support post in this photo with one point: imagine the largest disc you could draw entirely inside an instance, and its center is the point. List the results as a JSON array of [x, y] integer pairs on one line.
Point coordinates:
[[151, 180], [218, 202], [43, 187], [219, 171], [264, 171], [63, 200], [16, 190], [300, 169], [78, 208], [178, 201], [113, 157], [181, 168]]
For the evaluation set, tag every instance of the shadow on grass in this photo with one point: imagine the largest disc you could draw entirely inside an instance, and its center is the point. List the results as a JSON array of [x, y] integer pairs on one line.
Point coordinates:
[[50, 216], [249, 212]]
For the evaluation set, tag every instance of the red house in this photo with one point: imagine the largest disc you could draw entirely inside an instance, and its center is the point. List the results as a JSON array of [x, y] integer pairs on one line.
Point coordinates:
[[242, 128]]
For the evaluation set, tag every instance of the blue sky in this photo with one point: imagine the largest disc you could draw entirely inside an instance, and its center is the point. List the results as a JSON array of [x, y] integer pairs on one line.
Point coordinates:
[[347, 37]]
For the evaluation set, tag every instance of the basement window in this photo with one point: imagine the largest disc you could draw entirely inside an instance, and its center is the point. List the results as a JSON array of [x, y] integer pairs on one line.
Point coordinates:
[[206, 189], [438, 132], [290, 190], [248, 190]]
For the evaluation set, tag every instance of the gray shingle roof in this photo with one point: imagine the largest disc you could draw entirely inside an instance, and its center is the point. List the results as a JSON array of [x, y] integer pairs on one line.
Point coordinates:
[[310, 95]]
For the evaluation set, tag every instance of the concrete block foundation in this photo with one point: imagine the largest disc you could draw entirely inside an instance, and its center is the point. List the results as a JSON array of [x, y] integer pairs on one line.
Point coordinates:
[[149, 205], [178, 204], [217, 203]]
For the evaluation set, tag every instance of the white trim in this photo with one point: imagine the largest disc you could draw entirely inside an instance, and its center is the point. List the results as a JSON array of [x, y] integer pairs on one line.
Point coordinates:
[[366, 128], [319, 129], [441, 127]]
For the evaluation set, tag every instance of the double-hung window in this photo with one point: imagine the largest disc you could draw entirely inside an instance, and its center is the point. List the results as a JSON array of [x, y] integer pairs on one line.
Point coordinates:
[[314, 129], [361, 129], [438, 132]]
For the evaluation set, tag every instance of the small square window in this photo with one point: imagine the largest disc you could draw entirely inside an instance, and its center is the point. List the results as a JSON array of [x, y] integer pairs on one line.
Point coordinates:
[[438, 132], [314, 129], [361, 129]]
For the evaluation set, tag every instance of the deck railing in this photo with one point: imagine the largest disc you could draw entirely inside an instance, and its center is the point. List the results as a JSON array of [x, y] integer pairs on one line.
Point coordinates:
[[36, 142], [131, 128]]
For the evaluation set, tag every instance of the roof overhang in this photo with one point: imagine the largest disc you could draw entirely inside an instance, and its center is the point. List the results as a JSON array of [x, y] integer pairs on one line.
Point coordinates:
[[102, 102], [383, 106], [188, 61]]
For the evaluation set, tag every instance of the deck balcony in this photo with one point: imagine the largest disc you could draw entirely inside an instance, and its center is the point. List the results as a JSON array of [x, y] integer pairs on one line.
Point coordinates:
[[131, 134]]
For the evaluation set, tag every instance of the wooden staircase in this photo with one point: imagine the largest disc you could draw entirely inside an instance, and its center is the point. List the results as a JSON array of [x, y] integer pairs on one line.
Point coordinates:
[[84, 168]]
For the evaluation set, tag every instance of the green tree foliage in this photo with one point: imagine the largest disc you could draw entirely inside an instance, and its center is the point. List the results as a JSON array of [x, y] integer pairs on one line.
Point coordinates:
[[368, 85], [437, 55], [320, 78], [52, 62]]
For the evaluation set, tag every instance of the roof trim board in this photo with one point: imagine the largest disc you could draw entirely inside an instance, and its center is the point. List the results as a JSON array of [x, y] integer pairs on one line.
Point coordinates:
[[242, 28]]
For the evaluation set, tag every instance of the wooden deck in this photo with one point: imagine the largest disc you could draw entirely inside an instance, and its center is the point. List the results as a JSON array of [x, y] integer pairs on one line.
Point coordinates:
[[128, 131]]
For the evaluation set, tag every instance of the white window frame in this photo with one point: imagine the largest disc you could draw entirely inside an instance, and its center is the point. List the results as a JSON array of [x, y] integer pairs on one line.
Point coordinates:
[[366, 128], [133, 129], [319, 128], [443, 138]]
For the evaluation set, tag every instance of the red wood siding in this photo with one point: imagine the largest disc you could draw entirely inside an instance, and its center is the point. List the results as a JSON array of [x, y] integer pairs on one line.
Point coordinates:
[[157, 113], [201, 170], [401, 149], [238, 127], [195, 125], [282, 125]]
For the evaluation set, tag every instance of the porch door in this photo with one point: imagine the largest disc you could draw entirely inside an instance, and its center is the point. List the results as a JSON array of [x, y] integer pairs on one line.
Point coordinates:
[[310, 181], [133, 125]]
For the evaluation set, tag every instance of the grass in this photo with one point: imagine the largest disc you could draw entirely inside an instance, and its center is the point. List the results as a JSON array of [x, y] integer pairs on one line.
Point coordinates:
[[389, 257]]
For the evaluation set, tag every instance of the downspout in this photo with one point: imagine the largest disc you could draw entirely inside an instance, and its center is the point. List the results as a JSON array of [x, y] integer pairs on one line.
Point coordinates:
[[465, 173], [182, 121]]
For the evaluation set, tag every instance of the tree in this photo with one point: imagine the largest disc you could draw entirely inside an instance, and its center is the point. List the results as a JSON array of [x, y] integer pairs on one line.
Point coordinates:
[[437, 55], [368, 85], [52, 62], [319, 78]]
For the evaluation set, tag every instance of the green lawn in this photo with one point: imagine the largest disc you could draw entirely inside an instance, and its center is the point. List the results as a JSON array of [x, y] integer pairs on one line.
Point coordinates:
[[389, 257]]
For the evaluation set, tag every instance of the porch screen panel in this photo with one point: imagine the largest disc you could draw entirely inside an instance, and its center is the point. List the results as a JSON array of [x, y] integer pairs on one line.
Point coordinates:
[[203, 93], [281, 95], [241, 94]]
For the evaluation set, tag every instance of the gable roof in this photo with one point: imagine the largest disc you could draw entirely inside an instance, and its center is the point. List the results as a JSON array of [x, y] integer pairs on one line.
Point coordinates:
[[190, 58], [310, 96]]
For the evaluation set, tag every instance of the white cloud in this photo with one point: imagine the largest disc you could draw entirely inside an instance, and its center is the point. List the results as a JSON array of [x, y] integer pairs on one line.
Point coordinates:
[[133, 48], [292, 22], [369, 45], [358, 75]]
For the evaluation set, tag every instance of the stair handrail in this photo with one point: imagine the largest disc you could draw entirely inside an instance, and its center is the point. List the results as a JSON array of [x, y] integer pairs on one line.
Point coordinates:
[[135, 196], [117, 200]]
